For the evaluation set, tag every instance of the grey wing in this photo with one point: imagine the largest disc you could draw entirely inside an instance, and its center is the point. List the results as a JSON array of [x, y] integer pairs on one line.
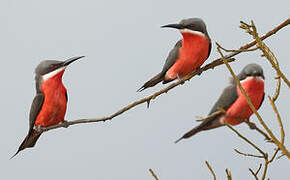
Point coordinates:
[[35, 108], [172, 57], [227, 98]]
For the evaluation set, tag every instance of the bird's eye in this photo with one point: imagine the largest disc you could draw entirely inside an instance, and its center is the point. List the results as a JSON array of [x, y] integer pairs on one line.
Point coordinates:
[[52, 66]]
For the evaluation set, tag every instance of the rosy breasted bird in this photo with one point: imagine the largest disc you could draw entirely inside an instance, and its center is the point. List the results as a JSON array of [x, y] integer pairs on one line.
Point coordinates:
[[233, 101], [49, 105], [188, 54]]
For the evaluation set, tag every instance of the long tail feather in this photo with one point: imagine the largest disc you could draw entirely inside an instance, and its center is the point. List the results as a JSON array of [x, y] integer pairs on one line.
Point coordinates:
[[29, 141], [152, 82]]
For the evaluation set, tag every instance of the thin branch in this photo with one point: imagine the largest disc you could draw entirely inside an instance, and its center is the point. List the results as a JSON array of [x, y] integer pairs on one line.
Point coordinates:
[[229, 174], [246, 139], [255, 127], [268, 34], [255, 176], [279, 119], [274, 155], [267, 52], [239, 50], [211, 170], [147, 99], [153, 174], [277, 91], [278, 86], [258, 170], [246, 154]]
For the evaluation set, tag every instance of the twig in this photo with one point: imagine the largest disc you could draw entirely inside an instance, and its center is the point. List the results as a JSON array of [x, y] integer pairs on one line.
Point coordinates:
[[246, 154], [278, 118], [147, 100], [255, 174], [268, 34], [256, 177], [277, 91], [254, 127], [274, 155], [153, 174], [211, 170], [246, 139], [239, 50], [266, 51], [229, 174]]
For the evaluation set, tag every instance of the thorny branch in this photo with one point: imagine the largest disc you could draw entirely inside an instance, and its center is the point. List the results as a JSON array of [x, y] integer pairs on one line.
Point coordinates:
[[147, 99]]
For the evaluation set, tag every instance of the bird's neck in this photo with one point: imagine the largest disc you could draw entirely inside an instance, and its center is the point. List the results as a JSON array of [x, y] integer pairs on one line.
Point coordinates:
[[53, 83], [189, 38]]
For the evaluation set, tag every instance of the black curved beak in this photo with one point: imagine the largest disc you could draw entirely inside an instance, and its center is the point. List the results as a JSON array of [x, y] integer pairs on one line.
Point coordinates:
[[70, 60], [176, 26]]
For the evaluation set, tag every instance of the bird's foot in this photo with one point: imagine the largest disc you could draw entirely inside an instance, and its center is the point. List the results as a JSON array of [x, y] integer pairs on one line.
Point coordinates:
[[64, 123], [180, 79], [198, 71], [252, 125], [39, 128]]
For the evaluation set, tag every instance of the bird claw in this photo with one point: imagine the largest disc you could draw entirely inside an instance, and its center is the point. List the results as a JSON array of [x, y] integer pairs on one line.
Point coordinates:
[[64, 123], [39, 128], [198, 70], [180, 79], [252, 125]]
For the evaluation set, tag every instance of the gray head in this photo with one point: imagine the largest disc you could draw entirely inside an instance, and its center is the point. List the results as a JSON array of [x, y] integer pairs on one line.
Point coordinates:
[[254, 70], [49, 66], [191, 25]]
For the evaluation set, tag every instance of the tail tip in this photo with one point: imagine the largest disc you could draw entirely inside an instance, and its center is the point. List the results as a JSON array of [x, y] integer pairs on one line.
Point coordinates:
[[178, 140], [14, 154], [141, 89]]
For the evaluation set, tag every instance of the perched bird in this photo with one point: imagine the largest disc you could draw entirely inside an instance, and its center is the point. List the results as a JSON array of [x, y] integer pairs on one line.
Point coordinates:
[[188, 54], [49, 105], [233, 101]]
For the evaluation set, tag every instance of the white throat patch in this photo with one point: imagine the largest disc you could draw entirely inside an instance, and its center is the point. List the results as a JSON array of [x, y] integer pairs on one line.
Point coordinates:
[[259, 78], [52, 73], [192, 32]]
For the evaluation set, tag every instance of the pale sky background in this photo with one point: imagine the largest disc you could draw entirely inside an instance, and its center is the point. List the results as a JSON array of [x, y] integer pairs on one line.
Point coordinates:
[[124, 47]]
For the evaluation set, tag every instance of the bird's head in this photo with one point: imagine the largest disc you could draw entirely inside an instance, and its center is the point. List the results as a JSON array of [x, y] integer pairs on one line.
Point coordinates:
[[251, 70], [194, 26], [49, 68]]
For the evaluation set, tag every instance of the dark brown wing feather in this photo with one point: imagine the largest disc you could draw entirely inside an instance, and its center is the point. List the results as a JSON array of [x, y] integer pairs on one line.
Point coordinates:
[[227, 98], [32, 135], [171, 59]]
